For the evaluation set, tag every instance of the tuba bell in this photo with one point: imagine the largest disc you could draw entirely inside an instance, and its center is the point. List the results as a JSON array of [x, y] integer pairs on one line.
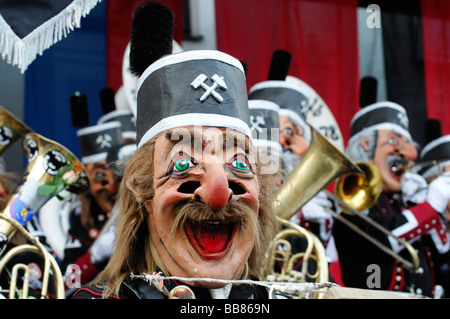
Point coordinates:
[[51, 168]]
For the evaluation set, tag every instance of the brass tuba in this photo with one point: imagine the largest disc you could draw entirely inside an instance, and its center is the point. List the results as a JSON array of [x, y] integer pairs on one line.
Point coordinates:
[[51, 168]]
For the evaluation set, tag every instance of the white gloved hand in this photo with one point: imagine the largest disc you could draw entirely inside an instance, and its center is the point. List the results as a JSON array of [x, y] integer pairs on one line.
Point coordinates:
[[315, 209], [414, 188], [103, 246], [439, 192]]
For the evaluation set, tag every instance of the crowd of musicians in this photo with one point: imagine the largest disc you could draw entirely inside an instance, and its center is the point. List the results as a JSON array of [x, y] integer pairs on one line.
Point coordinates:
[[154, 205]]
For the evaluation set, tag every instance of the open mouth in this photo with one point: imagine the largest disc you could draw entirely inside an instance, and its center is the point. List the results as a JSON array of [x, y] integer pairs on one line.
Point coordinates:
[[210, 239], [397, 165]]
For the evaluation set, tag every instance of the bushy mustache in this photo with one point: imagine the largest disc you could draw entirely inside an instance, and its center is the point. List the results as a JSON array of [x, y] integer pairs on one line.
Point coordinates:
[[234, 212], [289, 160], [104, 194]]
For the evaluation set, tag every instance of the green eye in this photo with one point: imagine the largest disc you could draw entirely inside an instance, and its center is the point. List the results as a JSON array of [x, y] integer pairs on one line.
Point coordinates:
[[181, 164], [100, 175], [288, 131], [392, 141], [240, 163]]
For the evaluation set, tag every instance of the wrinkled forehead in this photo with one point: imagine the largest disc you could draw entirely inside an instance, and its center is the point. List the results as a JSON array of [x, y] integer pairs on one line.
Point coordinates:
[[203, 139], [393, 132]]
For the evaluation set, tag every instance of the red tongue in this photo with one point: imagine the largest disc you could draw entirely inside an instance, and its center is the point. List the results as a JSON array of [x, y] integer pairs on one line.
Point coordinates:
[[212, 238]]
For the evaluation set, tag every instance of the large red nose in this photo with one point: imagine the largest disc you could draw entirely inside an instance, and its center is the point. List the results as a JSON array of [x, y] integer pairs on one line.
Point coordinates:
[[214, 190]]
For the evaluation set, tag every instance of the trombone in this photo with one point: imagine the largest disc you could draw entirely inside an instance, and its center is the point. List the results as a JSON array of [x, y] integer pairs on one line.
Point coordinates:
[[357, 188]]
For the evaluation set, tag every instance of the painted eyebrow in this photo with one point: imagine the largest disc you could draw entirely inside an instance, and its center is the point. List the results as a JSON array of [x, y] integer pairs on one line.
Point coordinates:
[[228, 139], [238, 140], [193, 139], [100, 166]]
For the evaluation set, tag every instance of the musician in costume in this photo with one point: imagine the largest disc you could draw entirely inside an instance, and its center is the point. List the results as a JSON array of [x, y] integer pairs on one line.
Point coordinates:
[[91, 210], [434, 161], [265, 129], [295, 137], [193, 202], [436, 153], [380, 134]]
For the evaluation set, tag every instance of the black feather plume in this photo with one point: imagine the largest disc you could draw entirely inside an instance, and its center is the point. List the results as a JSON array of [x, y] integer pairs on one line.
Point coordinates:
[[151, 35], [79, 109], [107, 100], [279, 66], [368, 91], [433, 130]]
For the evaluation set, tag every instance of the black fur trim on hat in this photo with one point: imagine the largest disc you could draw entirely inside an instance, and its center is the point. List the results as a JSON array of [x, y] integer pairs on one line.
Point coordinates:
[[279, 66], [151, 35], [368, 91]]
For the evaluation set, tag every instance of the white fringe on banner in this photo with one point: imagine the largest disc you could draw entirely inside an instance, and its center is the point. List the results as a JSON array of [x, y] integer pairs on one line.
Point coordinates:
[[22, 52]]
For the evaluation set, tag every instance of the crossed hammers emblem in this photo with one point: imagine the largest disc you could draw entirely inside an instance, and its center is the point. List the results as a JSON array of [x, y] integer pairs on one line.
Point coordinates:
[[209, 90], [256, 121]]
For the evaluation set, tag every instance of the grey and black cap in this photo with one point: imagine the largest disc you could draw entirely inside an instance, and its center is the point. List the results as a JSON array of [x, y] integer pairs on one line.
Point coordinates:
[[96, 141], [378, 116], [127, 120], [192, 88], [293, 102], [265, 124]]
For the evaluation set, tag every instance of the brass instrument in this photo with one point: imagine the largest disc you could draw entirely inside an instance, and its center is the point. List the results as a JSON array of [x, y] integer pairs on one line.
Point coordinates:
[[322, 164], [358, 191], [420, 167], [297, 190], [37, 248], [51, 168], [314, 252], [11, 129]]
